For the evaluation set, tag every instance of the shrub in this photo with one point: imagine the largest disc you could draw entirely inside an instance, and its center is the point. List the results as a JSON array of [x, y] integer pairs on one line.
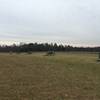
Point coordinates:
[[50, 53]]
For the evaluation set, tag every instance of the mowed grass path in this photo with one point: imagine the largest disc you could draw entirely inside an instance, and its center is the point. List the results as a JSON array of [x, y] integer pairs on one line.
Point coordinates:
[[65, 76]]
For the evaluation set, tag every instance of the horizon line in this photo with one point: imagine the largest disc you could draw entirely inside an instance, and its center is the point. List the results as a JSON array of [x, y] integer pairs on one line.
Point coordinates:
[[64, 44]]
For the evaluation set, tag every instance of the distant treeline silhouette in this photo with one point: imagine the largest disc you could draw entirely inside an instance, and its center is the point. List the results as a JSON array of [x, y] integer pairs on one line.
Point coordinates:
[[35, 47]]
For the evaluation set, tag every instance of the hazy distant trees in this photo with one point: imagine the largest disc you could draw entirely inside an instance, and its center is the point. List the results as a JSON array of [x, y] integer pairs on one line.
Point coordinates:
[[34, 47]]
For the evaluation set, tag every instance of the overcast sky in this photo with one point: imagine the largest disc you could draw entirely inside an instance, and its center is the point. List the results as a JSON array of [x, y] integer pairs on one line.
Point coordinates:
[[75, 22]]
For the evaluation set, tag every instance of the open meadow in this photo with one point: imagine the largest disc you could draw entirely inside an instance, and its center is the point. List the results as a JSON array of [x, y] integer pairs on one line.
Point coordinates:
[[64, 76]]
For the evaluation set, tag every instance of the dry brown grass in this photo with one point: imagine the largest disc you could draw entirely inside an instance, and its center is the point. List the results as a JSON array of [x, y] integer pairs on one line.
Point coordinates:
[[65, 76]]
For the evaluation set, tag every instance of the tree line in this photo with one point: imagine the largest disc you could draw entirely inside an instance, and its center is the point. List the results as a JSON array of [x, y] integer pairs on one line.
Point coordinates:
[[35, 47]]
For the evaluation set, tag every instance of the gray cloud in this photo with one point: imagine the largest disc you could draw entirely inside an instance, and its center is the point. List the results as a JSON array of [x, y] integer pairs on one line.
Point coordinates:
[[64, 21]]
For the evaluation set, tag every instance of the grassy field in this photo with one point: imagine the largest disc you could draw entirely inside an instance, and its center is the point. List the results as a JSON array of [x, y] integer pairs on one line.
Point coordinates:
[[65, 76]]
